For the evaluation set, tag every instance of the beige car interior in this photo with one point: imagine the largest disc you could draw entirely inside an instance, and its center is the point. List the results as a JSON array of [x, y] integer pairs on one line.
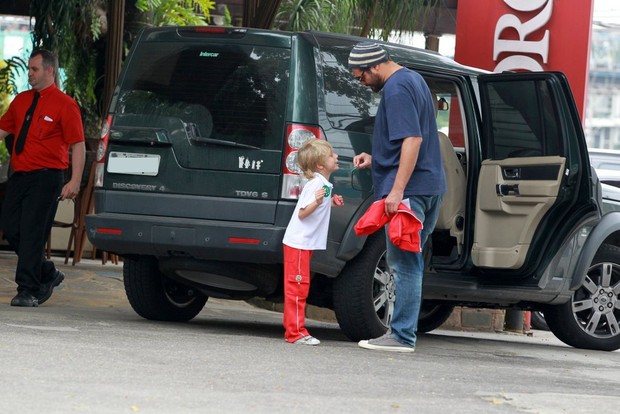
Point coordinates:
[[452, 212], [505, 224], [509, 208]]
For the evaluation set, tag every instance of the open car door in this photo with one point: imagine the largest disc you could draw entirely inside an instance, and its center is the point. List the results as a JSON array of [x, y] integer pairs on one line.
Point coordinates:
[[529, 190]]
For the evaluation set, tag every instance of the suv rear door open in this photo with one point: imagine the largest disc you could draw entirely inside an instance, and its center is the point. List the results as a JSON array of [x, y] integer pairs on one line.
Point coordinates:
[[531, 185]]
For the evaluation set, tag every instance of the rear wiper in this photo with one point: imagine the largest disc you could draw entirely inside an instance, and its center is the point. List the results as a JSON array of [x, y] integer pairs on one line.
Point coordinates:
[[194, 134], [203, 140]]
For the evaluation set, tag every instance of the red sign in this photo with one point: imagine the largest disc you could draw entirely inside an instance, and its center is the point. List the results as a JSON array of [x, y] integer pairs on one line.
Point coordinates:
[[527, 35]]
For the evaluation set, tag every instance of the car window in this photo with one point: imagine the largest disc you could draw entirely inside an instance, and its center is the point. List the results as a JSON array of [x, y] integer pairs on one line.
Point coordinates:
[[349, 104], [225, 92], [449, 109], [523, 120]]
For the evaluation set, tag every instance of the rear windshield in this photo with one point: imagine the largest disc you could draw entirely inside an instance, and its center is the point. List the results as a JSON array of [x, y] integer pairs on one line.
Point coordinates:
[[228, 92]]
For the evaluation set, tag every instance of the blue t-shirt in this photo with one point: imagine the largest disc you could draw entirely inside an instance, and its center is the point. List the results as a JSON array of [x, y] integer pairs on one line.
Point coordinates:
[[407, 109]]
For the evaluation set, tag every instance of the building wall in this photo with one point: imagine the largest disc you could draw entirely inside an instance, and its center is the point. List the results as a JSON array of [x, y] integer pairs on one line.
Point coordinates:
[[602, 126]]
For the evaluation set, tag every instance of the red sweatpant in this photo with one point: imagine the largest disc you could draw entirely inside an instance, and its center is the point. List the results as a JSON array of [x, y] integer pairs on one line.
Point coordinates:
[[296, 288]]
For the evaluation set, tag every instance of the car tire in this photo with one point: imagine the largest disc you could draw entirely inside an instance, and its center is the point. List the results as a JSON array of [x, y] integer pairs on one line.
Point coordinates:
[[537, 321], [364, 292], [433, 315], [590, 319], [154, 296]]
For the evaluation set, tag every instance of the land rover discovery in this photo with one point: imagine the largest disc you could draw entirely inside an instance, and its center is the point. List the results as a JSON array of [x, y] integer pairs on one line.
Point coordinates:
[[197, 179]]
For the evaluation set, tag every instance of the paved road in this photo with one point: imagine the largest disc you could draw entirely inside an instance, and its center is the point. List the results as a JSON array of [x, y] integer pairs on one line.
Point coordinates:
[[86, 351]]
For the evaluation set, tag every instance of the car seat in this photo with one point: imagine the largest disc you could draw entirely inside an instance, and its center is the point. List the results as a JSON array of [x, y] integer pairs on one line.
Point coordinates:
[[452, 212]]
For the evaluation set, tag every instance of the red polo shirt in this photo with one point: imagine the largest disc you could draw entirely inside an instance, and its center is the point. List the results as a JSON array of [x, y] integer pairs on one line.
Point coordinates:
[[56, 124]]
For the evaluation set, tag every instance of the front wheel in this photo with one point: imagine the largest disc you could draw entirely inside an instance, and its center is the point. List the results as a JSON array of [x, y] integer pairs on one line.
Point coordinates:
[[433, 315], [590, 320], [364, 292], [154, 296], [364, 296]]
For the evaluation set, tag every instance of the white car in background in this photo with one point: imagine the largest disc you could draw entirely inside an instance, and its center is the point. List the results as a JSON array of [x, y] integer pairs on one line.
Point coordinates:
[[604, 159], [609, 177], [606, 162]]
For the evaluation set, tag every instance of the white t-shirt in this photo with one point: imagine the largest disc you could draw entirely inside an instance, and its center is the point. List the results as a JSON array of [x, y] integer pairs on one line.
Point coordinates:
[[311, 232]]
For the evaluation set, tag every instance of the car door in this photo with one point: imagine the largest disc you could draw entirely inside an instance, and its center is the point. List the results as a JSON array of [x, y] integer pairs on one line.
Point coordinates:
[[534, 181]]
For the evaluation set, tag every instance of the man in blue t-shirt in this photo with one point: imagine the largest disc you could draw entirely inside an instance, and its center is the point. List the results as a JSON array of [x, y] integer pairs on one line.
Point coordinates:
[[406, 168]]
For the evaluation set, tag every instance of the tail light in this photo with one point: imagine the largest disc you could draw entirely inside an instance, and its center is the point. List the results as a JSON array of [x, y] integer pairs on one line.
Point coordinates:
[[101, 150], [293, 179]]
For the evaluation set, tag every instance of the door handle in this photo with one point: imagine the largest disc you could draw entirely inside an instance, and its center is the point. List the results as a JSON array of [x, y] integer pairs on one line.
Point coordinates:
[[507, 189], [512, 173]]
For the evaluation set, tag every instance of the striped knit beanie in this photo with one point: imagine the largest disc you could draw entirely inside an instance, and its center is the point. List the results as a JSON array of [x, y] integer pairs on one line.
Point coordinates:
[[366, 54]]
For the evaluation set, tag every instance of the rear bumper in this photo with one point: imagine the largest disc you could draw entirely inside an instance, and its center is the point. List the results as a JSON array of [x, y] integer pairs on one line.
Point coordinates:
[[130, 234]]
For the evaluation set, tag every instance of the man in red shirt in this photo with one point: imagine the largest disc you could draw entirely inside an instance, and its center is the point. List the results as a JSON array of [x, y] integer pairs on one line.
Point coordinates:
[[50, 123]]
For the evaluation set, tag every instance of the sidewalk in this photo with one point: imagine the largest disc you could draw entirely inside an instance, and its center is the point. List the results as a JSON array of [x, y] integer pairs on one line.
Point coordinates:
[[88, 281]]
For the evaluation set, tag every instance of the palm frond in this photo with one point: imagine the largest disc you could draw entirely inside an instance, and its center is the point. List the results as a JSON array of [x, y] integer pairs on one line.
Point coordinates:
[[375, 18], [9, 69]]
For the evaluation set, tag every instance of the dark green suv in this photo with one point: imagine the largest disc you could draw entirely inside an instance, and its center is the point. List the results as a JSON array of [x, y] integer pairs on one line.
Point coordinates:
[[197, 179]]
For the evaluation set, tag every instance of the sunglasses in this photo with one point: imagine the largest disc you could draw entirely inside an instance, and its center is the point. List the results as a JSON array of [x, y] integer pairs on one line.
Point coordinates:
[[361, 76]]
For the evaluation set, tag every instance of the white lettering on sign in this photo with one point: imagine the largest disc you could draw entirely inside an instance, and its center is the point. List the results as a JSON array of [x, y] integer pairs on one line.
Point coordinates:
[[522, 46]]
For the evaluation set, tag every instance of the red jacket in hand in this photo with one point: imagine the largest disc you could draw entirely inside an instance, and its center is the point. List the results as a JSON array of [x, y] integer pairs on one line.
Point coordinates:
[[403, 229]]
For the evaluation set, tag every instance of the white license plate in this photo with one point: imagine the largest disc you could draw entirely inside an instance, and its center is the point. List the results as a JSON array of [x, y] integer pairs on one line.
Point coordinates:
[[132, 163]]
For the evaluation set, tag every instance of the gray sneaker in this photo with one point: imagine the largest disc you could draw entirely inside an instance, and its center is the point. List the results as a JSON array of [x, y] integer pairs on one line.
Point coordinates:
[[385, 343]]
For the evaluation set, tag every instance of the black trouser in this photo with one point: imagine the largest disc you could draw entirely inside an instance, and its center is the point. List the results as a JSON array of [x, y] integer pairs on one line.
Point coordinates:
[[28, 212]]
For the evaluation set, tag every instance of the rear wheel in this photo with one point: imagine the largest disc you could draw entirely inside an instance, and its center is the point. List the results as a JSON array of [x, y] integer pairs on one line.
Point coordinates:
[[154, 296], [591, 318]]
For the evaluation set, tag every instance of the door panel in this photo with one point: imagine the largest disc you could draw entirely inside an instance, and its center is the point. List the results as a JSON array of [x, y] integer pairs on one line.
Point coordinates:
[[511, 202], [529, 182]]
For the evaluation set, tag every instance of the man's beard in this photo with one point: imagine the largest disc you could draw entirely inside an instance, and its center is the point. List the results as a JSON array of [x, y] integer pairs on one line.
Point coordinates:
[[377, 84]]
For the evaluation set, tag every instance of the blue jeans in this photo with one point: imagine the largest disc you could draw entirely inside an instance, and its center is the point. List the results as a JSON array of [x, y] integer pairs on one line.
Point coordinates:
[[408, 270]]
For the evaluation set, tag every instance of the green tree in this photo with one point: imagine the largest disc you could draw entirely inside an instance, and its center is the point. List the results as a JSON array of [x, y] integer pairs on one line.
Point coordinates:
[[366, 18], [75, 30], [71, 29], [8, 68], [176, 12]]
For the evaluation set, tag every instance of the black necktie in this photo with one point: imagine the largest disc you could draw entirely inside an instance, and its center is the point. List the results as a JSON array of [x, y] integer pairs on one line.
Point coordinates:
[[21, 139]]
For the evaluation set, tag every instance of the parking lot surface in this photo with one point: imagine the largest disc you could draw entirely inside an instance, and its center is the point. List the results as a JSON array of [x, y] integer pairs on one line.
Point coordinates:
[[87, 351]]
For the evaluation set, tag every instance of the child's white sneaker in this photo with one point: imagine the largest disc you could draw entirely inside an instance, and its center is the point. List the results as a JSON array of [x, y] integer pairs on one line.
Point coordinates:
[[307, 340]]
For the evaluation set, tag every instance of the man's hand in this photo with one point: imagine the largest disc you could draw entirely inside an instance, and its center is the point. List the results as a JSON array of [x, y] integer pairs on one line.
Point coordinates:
[[392, 201], [362, 160], [70, 191]]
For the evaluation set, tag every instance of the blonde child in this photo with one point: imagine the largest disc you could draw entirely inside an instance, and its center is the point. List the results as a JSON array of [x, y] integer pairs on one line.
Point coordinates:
[[306, 232]]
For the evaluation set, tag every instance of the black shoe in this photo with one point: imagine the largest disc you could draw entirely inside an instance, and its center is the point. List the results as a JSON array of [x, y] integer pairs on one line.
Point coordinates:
[[46, 289], [25, 299]]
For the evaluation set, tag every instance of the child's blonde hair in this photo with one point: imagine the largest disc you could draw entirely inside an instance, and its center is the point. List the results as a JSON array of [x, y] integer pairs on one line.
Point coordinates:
[[312, 154]]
